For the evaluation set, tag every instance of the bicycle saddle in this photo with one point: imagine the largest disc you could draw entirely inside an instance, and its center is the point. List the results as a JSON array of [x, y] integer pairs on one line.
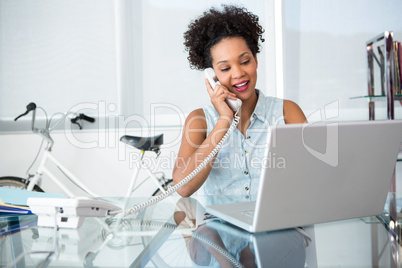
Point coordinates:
[[144, 143]]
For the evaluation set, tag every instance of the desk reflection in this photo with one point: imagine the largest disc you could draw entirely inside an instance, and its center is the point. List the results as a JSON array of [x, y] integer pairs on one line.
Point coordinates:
[[177, 233], [214, 243]]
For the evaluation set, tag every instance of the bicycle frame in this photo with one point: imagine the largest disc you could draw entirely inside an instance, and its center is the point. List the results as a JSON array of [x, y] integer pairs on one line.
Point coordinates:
[[44, 133], [134, 177], [42, 169]]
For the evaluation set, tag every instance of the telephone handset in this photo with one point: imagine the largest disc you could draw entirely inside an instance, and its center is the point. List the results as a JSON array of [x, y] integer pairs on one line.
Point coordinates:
[[213, 80]]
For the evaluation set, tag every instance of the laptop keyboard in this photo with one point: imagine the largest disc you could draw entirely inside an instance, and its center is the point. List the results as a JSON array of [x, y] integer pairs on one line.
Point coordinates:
[[248, 213]]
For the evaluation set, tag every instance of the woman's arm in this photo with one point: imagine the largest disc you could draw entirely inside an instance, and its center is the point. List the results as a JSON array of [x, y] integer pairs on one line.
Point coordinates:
[[292, 113], [195, 147]]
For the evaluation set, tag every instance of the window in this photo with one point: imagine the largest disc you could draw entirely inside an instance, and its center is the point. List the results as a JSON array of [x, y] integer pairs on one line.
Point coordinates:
[[105, 58], [57, 54]]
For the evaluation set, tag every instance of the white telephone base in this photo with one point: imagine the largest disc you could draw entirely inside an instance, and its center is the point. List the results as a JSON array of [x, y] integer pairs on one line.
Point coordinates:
[[69, 212]]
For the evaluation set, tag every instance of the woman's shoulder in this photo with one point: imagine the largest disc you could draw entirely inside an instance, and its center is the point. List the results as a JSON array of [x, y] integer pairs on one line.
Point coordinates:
[[293, 113], [197, 113], [196, 119]]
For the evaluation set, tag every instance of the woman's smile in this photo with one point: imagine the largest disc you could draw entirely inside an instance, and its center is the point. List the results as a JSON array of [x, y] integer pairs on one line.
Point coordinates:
[[241, 86]]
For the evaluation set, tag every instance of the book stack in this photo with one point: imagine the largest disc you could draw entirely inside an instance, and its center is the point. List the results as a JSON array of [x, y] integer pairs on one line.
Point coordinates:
[[397, 68], [7, 209]]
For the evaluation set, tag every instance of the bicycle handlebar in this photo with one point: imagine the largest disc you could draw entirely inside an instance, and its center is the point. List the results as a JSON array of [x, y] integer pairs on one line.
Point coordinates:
[[82, 117], [45, 132], [30, 107]]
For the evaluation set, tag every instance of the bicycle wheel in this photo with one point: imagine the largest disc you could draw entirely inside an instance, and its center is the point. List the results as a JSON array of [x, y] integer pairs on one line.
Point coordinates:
[[168, 184], [17, 183]]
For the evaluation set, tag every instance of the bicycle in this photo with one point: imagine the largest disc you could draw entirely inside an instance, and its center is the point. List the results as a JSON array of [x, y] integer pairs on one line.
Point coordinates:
[[33, 181], [111, 235]]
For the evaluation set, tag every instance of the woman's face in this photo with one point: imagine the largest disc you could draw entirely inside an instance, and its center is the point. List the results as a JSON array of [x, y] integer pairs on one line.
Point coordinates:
[[235, 66]]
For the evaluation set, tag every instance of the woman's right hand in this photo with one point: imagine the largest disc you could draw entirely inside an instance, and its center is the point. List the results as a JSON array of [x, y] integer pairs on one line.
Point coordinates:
[[218, 96]]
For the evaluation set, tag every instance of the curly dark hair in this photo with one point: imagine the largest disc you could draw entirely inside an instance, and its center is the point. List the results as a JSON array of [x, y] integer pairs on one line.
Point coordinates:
[[215, 25]]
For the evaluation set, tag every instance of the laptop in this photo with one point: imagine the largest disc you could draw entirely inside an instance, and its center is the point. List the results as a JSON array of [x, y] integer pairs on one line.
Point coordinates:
[[330, 171]]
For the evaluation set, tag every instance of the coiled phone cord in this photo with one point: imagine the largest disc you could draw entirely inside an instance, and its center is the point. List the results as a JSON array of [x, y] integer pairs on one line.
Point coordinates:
[[189, 177]]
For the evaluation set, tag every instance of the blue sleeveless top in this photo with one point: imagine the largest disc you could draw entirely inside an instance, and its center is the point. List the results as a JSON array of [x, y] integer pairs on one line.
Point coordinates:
[[237, 167]]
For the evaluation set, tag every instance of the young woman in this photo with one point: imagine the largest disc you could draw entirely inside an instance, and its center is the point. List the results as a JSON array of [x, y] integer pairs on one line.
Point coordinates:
[[228, 40]]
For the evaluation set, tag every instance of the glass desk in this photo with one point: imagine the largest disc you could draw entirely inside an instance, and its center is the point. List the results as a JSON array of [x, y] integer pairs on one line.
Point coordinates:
[[174, 233]]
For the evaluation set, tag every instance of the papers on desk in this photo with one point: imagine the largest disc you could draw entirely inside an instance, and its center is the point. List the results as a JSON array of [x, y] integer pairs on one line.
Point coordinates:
[[14, 201]]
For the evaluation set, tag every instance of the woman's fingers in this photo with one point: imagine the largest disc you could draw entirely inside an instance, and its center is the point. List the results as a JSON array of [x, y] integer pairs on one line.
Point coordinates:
[[219, 91], [218, 96]]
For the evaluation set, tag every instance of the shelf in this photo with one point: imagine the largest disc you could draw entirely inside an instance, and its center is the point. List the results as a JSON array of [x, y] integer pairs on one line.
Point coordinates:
[[374, 98]]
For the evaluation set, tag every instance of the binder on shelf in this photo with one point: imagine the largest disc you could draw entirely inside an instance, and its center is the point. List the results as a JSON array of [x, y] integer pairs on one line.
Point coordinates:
[[398, 67], [390, 75], [397, 78]]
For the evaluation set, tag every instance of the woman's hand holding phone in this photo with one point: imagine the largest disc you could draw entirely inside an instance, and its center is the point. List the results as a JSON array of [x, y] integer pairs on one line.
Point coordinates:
[[221, 97], [218, 99]]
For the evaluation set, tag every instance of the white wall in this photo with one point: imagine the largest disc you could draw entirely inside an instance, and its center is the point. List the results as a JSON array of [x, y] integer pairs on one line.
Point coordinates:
[[56, 53]]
